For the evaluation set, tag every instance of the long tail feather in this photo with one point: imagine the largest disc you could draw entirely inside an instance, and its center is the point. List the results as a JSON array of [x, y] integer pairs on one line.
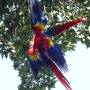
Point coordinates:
[[37, 13], [60, 77], [36, 10], [58, 29]]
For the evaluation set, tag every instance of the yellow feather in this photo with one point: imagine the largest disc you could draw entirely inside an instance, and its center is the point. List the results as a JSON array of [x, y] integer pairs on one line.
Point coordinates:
[[33, 57], [40, 25], [50, 42]]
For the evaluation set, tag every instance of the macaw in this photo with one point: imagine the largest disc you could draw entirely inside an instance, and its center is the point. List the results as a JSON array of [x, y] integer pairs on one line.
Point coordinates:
[[42, 50]]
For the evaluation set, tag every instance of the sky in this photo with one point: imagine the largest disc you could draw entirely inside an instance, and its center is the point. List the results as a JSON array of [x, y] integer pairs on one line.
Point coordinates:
[[78, 75], [9, 79]]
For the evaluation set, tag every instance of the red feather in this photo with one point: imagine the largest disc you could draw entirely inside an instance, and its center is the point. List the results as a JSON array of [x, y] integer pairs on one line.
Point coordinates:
[[61, 28], [58, 29], [60, 77]]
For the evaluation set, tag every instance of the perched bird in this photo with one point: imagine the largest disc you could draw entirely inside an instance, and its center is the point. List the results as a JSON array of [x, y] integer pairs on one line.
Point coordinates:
[[42, 50]]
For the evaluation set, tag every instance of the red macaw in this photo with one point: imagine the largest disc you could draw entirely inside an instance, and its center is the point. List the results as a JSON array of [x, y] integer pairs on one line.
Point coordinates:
[[42, 50]]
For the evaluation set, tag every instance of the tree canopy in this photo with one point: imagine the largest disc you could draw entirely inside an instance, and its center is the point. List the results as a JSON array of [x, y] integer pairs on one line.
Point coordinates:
[[15, 34]]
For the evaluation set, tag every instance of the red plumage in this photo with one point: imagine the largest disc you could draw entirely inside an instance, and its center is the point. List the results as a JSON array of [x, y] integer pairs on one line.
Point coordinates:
[[60, 76], [58, 29], [61, 28]]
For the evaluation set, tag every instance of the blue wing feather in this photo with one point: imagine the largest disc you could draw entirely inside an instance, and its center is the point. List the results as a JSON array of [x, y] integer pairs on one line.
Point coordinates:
[[53, 54], [57, 57], [35, 66], [50, 32], [43, 56]]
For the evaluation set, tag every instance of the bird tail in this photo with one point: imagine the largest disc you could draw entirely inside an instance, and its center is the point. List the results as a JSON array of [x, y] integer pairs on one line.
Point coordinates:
[[35, 8], [60, 76], [58, 29]]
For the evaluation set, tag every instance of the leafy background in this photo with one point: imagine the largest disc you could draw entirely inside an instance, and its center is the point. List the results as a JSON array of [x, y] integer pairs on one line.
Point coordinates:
[[15, 34]]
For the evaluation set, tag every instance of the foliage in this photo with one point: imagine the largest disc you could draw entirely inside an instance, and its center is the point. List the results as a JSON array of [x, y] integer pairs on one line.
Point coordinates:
[[15, 33]]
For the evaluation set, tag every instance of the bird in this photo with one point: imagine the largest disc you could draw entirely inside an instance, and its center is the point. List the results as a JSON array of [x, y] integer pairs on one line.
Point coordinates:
[[42, 51]]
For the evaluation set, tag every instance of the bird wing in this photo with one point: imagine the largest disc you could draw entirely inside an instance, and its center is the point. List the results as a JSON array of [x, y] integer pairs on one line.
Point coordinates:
[[56, 56], [54, 68], [58, 29], [35, 66]]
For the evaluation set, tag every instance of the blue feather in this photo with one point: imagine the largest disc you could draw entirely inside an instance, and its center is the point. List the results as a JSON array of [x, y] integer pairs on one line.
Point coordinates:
[[37, 14], [45, 59], [49, 32], [34, 65], [57, 57], [53, 55], [42, 55], [36, 10]]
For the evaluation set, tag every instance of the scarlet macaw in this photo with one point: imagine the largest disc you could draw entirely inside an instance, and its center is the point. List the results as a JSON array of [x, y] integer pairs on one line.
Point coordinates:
[[42, 50]]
